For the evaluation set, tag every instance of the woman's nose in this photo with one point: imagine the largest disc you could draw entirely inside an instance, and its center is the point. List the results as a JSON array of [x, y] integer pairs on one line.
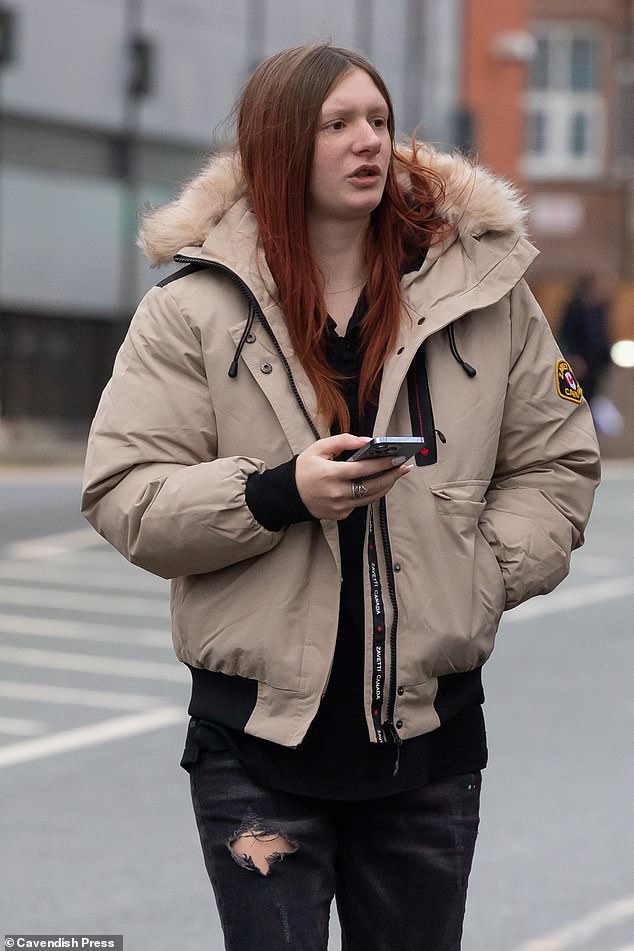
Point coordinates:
[[368, 140]]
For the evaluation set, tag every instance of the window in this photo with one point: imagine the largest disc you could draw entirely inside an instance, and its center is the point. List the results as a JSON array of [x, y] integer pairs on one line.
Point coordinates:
[[536, 133], [624, 109], [565, 112], [583, 73]]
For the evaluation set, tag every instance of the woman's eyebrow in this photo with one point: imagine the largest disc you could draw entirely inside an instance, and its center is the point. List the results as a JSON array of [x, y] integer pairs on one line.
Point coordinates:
[[345, 111]]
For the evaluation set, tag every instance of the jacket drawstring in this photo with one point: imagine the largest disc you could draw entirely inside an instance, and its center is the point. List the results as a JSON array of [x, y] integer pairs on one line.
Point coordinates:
[[468, 369], [233, 369]]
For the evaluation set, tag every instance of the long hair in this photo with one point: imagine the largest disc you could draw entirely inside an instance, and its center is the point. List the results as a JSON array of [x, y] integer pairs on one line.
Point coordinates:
[[278, 118]]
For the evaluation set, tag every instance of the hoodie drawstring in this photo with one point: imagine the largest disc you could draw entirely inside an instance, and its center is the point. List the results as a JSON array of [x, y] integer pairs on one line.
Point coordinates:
[[468, 369], [233, 369]]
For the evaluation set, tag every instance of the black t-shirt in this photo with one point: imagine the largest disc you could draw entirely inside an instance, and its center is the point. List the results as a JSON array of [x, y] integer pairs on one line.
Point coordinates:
[[336, 759]]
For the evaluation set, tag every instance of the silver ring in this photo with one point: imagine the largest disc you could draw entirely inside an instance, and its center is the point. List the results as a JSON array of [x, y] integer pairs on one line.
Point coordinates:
[[359, 491]]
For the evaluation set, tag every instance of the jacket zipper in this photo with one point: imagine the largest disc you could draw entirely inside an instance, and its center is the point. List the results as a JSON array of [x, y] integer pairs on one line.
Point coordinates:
[[391, 588], [246, 290]]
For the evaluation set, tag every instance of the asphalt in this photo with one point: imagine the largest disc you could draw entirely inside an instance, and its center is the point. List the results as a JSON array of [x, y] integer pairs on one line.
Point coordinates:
[[96, 825]]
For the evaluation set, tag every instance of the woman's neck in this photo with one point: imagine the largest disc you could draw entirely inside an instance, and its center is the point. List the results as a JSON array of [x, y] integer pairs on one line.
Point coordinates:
[[338, 248]]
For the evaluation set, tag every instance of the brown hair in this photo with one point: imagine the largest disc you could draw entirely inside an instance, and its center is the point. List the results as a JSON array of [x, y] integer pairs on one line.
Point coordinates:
[[278, 117]]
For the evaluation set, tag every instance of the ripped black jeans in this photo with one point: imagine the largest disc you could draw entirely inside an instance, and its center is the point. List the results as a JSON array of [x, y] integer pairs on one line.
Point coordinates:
[[398, 866]]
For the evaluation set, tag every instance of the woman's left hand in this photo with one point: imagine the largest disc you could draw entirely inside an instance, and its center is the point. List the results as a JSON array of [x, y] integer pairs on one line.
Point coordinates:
[[331, 490]]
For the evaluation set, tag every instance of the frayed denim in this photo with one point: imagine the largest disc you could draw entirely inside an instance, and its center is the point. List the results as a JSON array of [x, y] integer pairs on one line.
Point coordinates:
[[397, 866]]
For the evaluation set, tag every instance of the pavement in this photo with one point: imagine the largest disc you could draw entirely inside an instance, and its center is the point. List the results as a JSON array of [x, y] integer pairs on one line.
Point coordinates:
[[42, 443]]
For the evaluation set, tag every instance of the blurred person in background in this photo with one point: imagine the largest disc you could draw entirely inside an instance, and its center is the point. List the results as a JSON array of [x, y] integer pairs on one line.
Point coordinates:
[[584, 338], [335, 615]]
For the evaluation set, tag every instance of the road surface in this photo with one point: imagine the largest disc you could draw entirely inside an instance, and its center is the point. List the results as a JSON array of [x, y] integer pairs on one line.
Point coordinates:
[[96, 826]]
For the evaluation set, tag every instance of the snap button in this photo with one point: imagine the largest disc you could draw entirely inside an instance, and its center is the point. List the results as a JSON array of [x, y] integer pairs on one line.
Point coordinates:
[[250, 337], [266, 367], [401, 691], [397, 566], [399, 724]]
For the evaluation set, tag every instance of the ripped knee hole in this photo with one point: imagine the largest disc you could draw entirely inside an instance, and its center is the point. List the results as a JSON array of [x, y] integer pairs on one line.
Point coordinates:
[[257, 850]]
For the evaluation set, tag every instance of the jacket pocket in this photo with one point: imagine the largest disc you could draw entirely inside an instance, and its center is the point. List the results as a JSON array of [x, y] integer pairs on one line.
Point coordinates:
[[460, 498], [469, 590]]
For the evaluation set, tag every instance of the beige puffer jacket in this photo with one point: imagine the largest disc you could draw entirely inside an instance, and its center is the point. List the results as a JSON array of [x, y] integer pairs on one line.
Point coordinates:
[[491, 524]]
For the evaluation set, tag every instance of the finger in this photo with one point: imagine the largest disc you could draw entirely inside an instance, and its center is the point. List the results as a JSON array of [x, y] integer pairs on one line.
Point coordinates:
[[379, 485], [332, 446], [371, 468]]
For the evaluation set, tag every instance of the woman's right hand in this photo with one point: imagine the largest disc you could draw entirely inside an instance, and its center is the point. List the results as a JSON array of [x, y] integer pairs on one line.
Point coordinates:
[[326, 486]]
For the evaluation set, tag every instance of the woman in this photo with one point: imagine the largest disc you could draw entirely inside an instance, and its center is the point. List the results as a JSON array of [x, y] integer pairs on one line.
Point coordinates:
[[335, 615]]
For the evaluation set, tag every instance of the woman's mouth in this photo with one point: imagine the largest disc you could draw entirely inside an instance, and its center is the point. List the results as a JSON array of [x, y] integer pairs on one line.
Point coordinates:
[[366, 175]]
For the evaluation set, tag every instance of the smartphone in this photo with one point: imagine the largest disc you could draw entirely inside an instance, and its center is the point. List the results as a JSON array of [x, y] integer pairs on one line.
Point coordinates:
[[383, 447]]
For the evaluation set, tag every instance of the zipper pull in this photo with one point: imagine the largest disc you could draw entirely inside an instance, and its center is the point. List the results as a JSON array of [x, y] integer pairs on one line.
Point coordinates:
[[233, 369], [391, 731]]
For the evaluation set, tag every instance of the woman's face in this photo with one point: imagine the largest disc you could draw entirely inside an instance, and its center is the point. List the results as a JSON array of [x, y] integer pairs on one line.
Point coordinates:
[[352, 151]]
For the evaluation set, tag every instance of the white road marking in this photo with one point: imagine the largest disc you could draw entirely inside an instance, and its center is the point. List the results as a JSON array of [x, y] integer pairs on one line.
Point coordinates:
[[606, 565], [17, 727], [584, 929], [81, 737], [82, 601], [572, 598], [75, 696], [47, 545], [81, 631], [93, 664], [130, 579]]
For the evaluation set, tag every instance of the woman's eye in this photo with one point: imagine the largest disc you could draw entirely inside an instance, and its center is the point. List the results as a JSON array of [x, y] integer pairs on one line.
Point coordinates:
[[379, 122], [337, 125]]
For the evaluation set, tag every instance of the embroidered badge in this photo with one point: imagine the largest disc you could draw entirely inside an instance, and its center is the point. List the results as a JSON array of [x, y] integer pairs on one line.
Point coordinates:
[[567, 386]]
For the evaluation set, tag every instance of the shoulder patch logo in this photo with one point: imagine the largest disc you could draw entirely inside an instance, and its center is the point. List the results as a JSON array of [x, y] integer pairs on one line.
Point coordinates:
[[567, 386]]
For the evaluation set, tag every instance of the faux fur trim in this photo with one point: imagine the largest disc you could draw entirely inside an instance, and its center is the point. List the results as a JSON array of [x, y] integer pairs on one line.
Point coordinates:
[[475, 201]]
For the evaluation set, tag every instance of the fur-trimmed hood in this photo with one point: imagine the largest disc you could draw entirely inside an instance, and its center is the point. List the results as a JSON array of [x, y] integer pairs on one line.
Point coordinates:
[[475, 202]]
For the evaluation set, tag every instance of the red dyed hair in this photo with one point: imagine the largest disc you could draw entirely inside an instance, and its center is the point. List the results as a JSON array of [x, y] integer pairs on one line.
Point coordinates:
[[278, 118]]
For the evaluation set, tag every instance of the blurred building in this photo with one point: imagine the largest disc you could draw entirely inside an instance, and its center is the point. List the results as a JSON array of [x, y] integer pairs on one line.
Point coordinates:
[[548, 86], [498, 48], [579, 163], [578, 159], [107, 104]]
